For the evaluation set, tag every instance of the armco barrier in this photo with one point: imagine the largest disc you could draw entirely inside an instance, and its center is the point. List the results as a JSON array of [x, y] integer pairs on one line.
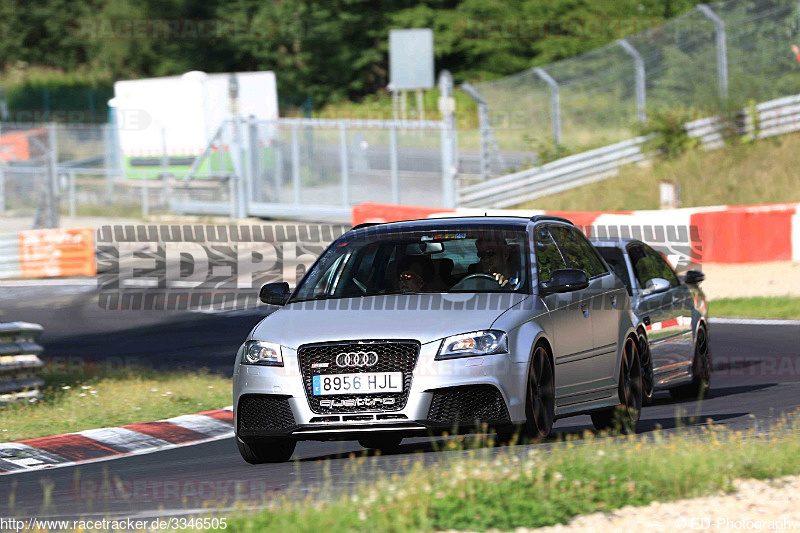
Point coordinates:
[[719, 234], [19, 361], [48, 253]]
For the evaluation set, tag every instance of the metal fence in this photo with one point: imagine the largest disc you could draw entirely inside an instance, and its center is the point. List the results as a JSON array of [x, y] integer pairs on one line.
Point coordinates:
[[19, 362], [286, 167], [712, 58], [767, 119]]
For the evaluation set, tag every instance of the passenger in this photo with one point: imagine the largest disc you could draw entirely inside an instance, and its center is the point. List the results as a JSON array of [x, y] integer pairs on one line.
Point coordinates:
[[494, 259], [414, 273]]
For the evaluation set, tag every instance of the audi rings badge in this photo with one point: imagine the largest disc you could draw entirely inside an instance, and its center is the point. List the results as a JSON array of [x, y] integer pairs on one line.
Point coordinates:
[[356, 359]]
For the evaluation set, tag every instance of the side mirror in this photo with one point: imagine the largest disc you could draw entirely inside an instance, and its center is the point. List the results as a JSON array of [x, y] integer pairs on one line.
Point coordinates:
[[655, 286], [565, 280], [275, 293], [693, 277]]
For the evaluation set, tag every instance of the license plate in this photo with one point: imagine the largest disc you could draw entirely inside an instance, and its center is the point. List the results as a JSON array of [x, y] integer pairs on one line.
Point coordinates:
[[366, 383]]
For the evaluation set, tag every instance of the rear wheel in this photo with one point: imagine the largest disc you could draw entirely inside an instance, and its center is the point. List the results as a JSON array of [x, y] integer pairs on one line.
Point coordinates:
[[626, 415], [540, 401], [648, 382], [701, 370], [384, 444], [266, 451]]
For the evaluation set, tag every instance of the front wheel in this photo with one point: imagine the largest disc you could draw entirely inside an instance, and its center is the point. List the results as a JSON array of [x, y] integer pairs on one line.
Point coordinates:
[[540, 402], [626, 414], [266, 451]]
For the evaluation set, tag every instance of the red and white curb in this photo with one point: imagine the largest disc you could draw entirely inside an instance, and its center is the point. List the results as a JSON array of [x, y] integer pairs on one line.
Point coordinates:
[[110, 443]]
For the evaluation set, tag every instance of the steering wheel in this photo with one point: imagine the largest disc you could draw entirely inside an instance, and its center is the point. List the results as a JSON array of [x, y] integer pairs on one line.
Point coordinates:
[[473, 276], [460, 284]]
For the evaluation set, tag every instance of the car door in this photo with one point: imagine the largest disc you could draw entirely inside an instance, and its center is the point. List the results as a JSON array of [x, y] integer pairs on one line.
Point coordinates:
[[572, 329], [579, 364], [662, 313]]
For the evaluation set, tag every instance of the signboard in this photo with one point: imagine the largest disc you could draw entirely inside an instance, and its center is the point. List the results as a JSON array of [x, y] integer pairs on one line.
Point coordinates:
[[411, 59], [45, 253]]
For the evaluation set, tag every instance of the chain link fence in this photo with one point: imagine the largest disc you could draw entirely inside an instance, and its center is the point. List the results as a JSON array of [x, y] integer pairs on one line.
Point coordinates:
[[710, 60]]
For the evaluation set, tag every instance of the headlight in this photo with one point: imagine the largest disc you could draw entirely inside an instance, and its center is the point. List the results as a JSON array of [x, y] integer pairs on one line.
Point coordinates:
[[476, 343], [262, 353]]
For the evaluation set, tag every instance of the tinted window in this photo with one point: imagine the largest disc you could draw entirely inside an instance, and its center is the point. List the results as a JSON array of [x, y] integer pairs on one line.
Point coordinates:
[[648, 264], [548, 258], [616, 260], [494, 260], [577, 251]]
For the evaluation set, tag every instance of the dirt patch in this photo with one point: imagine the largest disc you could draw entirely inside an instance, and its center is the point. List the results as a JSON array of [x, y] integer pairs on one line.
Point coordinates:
[[779, 278]]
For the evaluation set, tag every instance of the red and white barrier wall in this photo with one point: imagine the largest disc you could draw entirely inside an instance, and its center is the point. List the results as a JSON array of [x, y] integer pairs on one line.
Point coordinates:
[[723, 234]]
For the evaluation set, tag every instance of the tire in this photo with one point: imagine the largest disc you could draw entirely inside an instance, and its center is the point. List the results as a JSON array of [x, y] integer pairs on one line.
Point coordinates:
[[646, 361], [701, 371], [266, 451], [384, 444], [540, 398], [626, 415]]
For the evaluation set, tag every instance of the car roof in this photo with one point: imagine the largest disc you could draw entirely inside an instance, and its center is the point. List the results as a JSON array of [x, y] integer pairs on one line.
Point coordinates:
[[433, 224]]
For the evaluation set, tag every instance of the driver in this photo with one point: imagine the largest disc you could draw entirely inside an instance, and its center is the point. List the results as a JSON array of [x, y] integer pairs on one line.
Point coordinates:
[[494, 260]]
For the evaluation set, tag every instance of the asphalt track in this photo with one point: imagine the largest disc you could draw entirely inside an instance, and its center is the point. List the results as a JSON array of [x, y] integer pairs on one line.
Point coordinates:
[[755, 381]]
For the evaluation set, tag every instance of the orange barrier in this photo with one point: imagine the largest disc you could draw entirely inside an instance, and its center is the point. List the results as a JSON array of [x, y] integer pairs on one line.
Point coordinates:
[[746, 234], [375, 212], [727, 234], [58, 252]]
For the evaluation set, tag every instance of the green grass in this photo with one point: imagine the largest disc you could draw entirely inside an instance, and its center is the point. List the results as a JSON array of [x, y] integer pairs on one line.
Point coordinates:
[[534, 487], [761, 307], [761, 172], [78, 397]]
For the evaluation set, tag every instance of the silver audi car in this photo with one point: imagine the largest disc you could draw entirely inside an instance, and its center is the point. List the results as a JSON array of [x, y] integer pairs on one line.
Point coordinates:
[[671, 318], [421, 327]]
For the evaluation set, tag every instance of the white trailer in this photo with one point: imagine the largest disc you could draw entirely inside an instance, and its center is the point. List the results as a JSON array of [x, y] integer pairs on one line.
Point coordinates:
[[182, 113]]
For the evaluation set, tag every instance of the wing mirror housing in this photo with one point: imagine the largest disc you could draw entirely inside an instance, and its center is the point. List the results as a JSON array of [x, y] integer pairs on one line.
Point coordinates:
[[275, 293], [693, 277], [655, 286], [565, 280]]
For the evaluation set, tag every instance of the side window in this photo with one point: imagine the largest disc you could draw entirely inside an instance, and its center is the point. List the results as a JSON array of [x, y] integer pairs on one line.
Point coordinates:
[[548, 258], [662, 267], [577, 256], [648, 264], [616, 261], [591, 253]]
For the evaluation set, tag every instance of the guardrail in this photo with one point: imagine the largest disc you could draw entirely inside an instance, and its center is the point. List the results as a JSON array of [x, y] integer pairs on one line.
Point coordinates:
[[19, 362], [767, 119]]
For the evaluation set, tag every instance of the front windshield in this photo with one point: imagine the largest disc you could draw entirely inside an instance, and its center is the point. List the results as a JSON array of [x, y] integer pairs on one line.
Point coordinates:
[[403, 262]]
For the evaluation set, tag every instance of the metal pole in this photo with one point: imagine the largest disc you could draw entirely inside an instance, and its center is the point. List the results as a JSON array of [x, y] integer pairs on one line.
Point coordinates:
[[722, 49], [393, 164], [145, 199], [448, 168], [344, 165], [278, 150], [482, 119], [2, 191], [241, 175], [165, 165], [296, 165], [420, 105], [72, 194], [555, 102], [640, 78], [255, 175], [52, 183]]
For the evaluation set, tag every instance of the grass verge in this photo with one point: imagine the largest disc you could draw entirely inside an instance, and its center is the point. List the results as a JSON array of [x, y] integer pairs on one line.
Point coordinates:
[[532, 487], [781, 307], [102, 397], [761, 172]]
